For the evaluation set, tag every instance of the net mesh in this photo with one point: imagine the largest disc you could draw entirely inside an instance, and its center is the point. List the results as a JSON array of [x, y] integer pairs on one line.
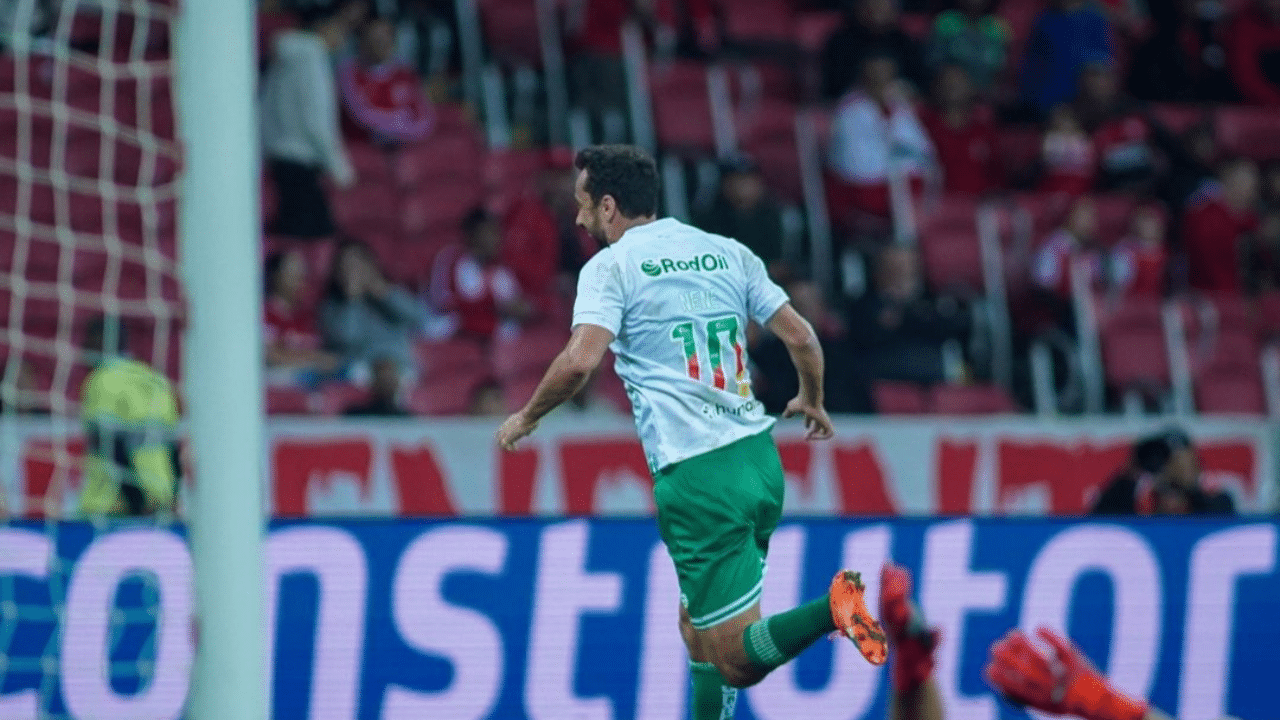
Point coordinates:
[[88, 196]]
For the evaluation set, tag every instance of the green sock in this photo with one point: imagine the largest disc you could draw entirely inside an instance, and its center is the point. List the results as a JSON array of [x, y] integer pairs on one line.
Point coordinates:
[[712, 699], [774, 640]]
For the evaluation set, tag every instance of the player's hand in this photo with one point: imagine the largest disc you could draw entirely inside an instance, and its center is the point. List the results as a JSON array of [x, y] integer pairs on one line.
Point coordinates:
[[817, 423], [1059, 680], [515, 427]]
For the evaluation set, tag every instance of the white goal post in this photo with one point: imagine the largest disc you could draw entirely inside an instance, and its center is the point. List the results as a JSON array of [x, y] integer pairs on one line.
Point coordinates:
[[220, 238]]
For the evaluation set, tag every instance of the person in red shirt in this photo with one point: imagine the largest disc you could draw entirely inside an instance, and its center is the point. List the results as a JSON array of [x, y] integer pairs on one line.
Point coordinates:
[[382, 97], [1136, 265], [1122, 139], [293, 347], [1067, 159], [1075, 241], [1253, 52], [963, 133], [1215, 224], [470, 283], [541, 243]]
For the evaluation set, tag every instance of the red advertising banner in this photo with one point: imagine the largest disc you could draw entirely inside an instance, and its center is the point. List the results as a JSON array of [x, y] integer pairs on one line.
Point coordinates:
[[592, 465]]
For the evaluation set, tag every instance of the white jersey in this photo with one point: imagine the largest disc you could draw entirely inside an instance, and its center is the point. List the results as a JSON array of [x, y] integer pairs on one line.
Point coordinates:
[[678, 300]]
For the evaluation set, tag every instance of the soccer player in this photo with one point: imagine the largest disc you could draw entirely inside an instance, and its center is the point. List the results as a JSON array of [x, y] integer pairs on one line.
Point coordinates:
[[673, 303], [130, 415]]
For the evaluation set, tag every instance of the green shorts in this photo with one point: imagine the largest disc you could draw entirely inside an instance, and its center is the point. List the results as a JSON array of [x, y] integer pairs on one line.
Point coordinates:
[[716, 512]]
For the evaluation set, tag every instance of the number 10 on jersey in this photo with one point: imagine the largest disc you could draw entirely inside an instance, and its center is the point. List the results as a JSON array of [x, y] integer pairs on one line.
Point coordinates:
[[716, 331]]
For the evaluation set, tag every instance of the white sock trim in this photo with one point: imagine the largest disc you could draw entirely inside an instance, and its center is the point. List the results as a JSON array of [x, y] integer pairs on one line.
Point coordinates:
[[763, 643]]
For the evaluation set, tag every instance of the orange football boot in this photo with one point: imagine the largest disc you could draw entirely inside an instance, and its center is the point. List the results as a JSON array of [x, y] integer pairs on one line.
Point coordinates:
[[850, 614]]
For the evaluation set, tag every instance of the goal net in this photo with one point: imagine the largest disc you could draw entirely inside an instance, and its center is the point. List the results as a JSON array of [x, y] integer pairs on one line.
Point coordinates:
[[88, 230]]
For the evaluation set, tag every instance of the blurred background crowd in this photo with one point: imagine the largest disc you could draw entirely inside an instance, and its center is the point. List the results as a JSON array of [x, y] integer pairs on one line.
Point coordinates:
[[983, 206]]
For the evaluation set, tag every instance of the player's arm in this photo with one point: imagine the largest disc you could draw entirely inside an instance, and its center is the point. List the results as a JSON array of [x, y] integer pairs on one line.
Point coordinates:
[[568, 373], [806, 354]]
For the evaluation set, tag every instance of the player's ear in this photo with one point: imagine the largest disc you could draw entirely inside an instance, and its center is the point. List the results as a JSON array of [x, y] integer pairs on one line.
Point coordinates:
[[609, 206]]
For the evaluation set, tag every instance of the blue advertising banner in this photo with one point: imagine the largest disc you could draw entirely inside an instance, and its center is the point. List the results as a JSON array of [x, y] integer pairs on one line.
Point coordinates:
[[576, 619]]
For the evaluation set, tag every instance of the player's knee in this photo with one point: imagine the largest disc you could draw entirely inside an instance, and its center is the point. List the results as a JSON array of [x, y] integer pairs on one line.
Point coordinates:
[[739, 674]]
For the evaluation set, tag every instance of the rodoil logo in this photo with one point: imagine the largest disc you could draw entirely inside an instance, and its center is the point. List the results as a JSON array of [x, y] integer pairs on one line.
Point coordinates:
[[704, 263]]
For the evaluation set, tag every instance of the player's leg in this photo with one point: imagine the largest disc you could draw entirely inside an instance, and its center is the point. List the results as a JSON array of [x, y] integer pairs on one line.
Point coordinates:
[[739, 493], [911, 644], [712, 698]]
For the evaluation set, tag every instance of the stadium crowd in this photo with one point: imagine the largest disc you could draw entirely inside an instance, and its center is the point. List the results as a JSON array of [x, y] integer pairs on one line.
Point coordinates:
[[1115, 139]]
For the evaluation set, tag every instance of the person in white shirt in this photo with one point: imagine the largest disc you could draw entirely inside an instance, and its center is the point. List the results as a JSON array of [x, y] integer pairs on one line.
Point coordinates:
[[673, 303], [299, 122], [875, 134]]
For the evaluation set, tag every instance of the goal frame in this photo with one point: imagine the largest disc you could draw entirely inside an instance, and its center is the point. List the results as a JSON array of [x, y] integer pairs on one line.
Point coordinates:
[[220, 240]]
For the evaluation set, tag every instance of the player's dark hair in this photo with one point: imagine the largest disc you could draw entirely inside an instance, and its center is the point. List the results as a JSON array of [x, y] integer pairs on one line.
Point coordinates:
[[626, 173]]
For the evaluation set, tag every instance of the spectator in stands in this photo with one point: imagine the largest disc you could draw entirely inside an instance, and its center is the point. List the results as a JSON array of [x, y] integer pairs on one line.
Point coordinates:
[[1067, 159], [744, 211], [384, 391], [1136, 264], [1271, 184], [1180, 58], [1163, 477], [875, 133], [1122, 137], [777, 383], [472, 285], [299, 122], [1066, 36], [1073, 243], [293, 346], [898, 328], [363, 316], [1215, 224], [1262, 259], [972, 36], [963, 133], [541, 243], [382, 96], [870, 28], [1192, 159], [1253, 52], [20, 393]]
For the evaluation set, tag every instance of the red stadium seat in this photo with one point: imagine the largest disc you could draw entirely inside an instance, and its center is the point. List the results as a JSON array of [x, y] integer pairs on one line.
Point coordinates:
[[768, 134], [372, 164], [1269, 314], [812, 29], [897, 398], [436, 206], [445, 357], [952, 259], [516, 393], [1135, 358], [971, 400], [1231, 392], [507, 173], [1018, 148], [527, 354], [364, 206], [1177, 118], [755, 20], [334, 398], [681, 106], [288, 401], [456, 157], [1249, 131], [446, 394], [609, 387], [1113, 213], [511, 31]]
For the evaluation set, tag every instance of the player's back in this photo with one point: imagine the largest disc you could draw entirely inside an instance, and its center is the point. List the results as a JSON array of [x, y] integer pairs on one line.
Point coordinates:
[[684, 298]]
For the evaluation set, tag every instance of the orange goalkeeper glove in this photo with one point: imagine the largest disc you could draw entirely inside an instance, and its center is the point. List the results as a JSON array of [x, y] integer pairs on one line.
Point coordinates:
[[1062, 682]]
